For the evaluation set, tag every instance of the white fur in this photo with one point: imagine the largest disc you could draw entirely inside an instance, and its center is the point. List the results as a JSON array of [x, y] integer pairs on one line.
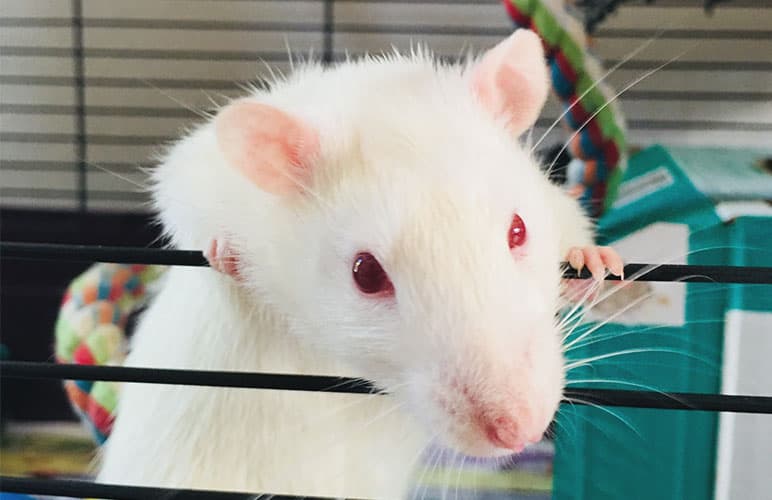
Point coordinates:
[[415, 171]]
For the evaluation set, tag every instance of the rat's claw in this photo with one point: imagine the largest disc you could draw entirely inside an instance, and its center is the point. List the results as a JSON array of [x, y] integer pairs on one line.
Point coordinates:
[[613, 261], [594, 263], [222, 258], [597, 260], [576, 258]]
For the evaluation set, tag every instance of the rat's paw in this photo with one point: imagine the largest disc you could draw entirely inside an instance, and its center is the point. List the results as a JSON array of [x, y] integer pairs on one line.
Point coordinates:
[[222, 258], [597, 260]]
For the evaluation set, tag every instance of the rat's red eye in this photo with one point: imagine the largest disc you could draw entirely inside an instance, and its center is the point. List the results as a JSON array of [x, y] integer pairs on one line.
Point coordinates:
[[369, 275], [516, 232]]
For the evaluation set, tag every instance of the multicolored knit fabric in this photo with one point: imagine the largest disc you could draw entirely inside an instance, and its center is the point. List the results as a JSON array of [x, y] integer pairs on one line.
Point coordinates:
[[599, 144], [90, 330]]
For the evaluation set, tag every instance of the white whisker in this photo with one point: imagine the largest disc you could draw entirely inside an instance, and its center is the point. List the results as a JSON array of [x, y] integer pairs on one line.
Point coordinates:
[[629, 306], [610, 412], [631, 384], [671, 335], [624, 352], [289, 53], [624, 60], [618, 94], [197, 112], [459, 468]]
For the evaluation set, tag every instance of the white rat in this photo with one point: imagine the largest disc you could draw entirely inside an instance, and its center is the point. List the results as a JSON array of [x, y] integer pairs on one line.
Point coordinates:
[[378, 219]]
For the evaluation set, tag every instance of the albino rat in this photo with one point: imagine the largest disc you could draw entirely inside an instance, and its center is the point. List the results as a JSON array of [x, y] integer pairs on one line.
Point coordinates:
[[378, 219]]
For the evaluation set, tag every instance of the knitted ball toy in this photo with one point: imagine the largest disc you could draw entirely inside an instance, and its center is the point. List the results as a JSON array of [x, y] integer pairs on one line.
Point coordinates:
[[90, 330]]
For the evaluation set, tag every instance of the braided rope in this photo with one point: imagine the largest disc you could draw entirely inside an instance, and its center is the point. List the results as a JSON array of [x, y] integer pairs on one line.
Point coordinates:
[[599, 145]]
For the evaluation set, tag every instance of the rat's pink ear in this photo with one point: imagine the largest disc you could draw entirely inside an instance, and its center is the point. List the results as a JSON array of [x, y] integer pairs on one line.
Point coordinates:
[[271, 148], [511, 80]]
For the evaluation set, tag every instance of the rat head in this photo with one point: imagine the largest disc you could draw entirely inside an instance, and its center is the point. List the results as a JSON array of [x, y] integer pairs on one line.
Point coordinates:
[[409, 233]]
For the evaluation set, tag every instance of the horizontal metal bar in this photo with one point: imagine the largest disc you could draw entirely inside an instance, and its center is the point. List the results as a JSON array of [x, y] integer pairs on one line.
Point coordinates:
[[70, 166], [72, 194], [161, 54], [62, 109], [123, 82], [167, 112], [86, 489], [88, 253], [671, 400], [96, 139], [208, 378], [133, 255], [313, 383], [380, 28], [251, 56]]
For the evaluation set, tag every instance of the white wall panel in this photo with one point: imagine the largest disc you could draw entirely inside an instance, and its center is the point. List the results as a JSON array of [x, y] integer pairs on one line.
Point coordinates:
[[148, 65]]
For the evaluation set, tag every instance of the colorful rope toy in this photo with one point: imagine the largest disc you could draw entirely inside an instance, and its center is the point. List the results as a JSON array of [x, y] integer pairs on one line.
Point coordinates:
[[598, 146], [90, 330]]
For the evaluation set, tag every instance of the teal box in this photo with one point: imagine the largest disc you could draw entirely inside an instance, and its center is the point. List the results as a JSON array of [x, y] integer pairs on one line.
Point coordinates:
[[674, 205]]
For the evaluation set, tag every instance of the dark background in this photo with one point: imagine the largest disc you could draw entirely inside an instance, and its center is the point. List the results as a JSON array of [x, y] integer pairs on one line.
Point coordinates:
[[30, 293]]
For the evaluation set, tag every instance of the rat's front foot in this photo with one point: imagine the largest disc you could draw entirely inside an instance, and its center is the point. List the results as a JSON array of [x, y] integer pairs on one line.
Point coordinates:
[[597, 259], [222, 258]]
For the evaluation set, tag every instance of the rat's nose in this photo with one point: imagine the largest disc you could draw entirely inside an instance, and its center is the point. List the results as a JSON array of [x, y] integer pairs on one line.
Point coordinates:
[[502, 432]]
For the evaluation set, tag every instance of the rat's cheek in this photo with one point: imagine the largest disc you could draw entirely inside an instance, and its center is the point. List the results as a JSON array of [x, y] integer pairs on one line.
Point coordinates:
[[535, 305], [519, 253]]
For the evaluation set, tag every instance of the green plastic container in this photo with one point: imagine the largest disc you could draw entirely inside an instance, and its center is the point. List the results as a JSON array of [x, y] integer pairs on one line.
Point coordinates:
[[676, 205]]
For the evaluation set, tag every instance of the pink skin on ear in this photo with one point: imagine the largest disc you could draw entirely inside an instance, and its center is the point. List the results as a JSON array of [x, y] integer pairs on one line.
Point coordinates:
[[511, 80], [271, 148]]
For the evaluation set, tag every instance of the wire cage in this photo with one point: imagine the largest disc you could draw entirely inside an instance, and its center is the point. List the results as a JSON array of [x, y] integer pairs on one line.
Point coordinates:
[[90, 89]]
